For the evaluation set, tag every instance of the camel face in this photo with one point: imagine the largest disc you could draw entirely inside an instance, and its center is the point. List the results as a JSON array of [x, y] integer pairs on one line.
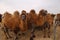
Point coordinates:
[[43, 12], [23, 15]]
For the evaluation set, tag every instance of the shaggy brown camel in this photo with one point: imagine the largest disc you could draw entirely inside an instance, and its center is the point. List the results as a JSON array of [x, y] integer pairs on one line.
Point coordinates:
[[11, 22]]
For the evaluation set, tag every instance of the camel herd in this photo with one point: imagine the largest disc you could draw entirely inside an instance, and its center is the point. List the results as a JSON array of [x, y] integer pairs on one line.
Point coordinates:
[[25, 21]]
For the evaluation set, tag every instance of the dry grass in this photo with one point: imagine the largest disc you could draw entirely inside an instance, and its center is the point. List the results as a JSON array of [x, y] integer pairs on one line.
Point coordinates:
[[39, 35]]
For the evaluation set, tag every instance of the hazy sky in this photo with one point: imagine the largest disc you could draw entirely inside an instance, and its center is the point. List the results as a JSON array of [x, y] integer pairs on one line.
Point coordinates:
[[53, 6]]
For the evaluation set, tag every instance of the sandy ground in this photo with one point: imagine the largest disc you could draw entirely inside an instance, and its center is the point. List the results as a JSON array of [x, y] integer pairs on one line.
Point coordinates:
[[39, 35]]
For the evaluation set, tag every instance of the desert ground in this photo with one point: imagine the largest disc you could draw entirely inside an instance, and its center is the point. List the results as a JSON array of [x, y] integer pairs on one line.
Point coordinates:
[[38, 33]]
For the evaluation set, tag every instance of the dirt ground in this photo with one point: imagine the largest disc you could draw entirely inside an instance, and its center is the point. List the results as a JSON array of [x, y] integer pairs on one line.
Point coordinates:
[[39, 35]]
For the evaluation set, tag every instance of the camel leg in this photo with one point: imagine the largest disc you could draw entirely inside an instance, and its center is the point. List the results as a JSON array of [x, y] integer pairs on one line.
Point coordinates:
[[16, 33], [44, 30], [49, 31], [6, 33], [32, 33], [45, 25], [48, 26]]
